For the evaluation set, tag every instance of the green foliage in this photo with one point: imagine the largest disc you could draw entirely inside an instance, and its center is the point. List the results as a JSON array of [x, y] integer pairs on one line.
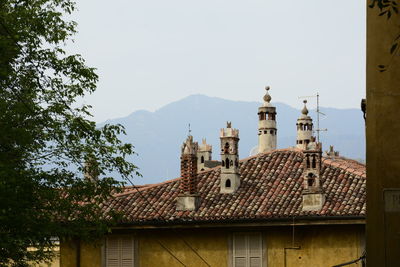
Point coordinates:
[[44, 142]]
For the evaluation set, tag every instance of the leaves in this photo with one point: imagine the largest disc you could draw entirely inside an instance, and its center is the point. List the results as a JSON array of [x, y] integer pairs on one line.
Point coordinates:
[[46, 138]]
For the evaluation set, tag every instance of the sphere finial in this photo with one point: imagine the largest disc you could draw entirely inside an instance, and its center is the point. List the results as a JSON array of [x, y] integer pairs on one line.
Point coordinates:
[[304, 110], [267, 97]]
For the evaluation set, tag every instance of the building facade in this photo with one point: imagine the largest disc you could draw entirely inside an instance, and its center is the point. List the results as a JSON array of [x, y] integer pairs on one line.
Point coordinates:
[[283, 207]]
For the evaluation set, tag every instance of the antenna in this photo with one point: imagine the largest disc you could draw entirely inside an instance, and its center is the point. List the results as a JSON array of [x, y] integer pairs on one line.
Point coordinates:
[[318, 130]]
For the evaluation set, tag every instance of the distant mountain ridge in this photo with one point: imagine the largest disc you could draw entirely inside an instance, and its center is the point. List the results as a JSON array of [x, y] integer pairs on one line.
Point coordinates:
[[157, 136]]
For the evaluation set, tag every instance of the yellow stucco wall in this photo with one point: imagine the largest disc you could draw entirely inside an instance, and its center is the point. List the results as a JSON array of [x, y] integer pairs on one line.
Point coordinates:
[[90, 254], [382, 132], [319, 246]]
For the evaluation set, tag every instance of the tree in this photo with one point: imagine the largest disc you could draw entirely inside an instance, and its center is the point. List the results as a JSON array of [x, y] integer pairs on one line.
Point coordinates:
[[45, 143]]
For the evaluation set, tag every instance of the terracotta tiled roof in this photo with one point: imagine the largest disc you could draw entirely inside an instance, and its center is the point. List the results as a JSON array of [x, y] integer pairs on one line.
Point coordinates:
[[271, 187]]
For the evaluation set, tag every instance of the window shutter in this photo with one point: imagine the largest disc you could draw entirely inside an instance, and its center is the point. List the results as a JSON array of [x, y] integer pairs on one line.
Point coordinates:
[[112, 253], [247, 250], [239, 250], [126, 252], [119, 252], [255, 250]]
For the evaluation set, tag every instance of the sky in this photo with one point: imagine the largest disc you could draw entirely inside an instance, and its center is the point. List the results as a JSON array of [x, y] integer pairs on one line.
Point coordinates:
[[149, 53]]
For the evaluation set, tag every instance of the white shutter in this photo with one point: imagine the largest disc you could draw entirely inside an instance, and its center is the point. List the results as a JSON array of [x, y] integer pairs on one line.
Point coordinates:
[[255, 250], [112, 253], [247, 250], [126, 252], [239, 250], [119, 251]]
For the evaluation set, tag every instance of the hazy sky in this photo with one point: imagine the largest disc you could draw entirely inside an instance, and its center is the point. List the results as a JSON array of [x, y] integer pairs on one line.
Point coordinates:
[[151, 52]]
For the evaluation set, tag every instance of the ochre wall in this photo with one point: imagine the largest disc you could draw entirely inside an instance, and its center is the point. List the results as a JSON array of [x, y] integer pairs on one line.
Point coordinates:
[[383, 137], [90, 254], [212, 245], [319, 246]]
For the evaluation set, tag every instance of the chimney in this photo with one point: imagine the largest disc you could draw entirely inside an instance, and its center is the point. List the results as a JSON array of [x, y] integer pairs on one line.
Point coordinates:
[[203, 155], [90, 171], [230, 171], [313, 195], [188, 198], [331, 153]]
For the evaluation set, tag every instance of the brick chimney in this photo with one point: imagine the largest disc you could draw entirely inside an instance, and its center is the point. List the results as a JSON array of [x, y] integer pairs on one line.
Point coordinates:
[[188, 198]]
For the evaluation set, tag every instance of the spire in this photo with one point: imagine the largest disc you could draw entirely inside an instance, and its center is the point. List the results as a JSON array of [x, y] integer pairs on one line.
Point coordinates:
[[267, 132]]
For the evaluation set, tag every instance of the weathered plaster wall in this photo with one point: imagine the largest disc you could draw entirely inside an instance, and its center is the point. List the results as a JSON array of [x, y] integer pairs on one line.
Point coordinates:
[[319, 246], [211, 245], [383, 138], [90, 254]]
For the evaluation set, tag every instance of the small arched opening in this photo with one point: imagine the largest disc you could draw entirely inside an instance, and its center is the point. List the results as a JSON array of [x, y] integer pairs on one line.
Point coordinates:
[[227, 163], [310, 179], [228, 183], [226, 147], [314, 162], [308, 161], [202, 159]]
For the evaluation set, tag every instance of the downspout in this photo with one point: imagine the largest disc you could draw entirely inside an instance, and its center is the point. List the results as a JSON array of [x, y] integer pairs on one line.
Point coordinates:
[[292, 247]]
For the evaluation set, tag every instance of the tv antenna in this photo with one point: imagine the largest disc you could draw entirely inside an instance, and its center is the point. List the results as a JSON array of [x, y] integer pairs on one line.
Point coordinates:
[[318, 130]]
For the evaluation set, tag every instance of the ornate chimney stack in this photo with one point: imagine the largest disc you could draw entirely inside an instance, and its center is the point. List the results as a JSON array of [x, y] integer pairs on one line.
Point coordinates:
[[304, 128], [187, 199], [230, 176], [203, 154], [313, 196], [90, 171], [267, 131]]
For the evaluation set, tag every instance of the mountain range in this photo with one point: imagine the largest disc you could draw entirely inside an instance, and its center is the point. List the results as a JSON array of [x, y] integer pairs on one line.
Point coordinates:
[[158, 136]]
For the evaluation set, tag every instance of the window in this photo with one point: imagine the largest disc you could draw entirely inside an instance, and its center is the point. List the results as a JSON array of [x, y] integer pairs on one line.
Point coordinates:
[[228, 183], [202, 159], [119, 251], [247, 250]]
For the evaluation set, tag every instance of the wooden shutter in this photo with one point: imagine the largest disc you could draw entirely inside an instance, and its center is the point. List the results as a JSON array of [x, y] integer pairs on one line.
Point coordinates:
[[119, 251], [247, 250], [255, 250]]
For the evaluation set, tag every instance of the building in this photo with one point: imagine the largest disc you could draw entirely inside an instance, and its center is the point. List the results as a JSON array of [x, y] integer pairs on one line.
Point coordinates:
[[280, 207]]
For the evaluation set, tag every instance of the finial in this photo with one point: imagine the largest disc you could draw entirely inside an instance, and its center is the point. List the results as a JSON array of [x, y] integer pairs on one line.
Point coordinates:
[[228, 124], [267, 97], [190, 131], [304, 110]]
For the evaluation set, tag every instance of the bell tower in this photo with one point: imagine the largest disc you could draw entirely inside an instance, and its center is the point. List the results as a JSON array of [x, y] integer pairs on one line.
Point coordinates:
[[230, 176], [304, 128], [313, 197], [267, 131]]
